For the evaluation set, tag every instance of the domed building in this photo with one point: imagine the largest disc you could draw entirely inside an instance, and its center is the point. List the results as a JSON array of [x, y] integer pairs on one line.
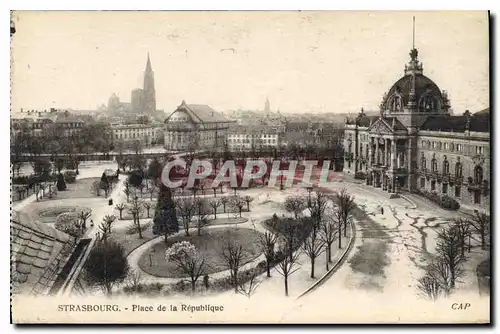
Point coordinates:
[[416, 145]]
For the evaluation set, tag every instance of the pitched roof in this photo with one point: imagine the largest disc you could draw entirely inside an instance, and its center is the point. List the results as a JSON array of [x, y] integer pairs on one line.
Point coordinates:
[[395, 123], [479, 122], [201, 113], [38, 254]]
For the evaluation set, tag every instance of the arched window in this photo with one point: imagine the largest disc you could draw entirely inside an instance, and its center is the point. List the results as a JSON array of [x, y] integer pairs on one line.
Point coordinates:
[[397, 103], [458, 169], [478, 175], [423, 163], [446, 167], [434, 165]]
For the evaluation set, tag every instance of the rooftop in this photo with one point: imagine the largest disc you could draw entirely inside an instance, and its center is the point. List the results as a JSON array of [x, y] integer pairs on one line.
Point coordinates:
[[479, 122], [38, 254], [201, 113]]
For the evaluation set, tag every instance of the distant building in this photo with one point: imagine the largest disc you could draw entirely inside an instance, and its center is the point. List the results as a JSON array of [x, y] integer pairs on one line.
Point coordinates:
[[41, 123], [195, 127], [142, 100], [147, 134], [137, 100], [253, 138], [415, 144]]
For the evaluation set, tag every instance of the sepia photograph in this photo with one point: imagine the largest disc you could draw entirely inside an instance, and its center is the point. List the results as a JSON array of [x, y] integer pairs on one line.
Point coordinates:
[[250, 167]]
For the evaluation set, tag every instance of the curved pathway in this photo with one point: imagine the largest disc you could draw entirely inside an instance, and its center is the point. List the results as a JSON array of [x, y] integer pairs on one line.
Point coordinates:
[[135, 255]]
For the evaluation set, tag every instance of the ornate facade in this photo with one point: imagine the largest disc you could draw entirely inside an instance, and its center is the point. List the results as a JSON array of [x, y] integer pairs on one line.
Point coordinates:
[[195, 127], [415, 144]]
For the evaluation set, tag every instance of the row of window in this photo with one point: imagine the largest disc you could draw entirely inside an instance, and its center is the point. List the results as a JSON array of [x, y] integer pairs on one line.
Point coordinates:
[[130, 136], [449, 147], [251, 136], [243, 146], [247, 141], [478, 170]]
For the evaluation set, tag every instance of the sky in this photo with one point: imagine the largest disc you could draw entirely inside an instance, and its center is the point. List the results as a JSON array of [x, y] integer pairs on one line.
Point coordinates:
[[302, 61]]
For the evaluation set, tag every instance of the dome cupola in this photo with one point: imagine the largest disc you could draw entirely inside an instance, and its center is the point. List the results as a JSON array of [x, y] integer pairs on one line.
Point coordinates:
[[414, 92]]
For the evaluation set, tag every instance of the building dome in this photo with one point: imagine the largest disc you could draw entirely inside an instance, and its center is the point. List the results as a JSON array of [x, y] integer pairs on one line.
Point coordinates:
[[415, 92]]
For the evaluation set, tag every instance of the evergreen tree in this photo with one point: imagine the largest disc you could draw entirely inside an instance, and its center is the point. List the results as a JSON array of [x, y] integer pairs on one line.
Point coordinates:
[[165, 219], [154, 169], [135, 178], [61, 184]]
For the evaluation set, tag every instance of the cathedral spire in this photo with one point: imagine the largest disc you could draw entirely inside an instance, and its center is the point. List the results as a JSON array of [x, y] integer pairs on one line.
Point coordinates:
[[148, 65], [149, 94]]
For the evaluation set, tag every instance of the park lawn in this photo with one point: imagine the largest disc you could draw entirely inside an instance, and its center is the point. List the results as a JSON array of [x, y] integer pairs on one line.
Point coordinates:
[[131, 241], [80, 189], [208, 245], [223, 221]]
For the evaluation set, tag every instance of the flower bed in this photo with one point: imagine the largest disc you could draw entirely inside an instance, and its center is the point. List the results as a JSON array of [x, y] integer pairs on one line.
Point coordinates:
[[49, 215], [209, 245]]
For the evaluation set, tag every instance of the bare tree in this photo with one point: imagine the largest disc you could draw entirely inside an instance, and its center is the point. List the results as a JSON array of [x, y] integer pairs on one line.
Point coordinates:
[[201, 222], [317, 209], [287, 267], [120, 207], [141, 188], [481, 225], [436, 281], [186, 208], [185, 256], [83, 215], [295, 204], [214, 203], [224, 200], [232, 253], [329, 233], [127, 191], [153, 188], [267, 242], [148, 206], [249, 286], [135, 209], [313, 246], [429, 287], [103, 229], [464, 230], [134, 280], [239, 203], [108, 220], [247, 200], [449, 251], [290, 236], [346, 205]]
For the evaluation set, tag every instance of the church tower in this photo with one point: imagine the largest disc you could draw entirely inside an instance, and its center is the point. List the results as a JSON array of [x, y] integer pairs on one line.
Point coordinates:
[[149, 89], [267, 107]]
